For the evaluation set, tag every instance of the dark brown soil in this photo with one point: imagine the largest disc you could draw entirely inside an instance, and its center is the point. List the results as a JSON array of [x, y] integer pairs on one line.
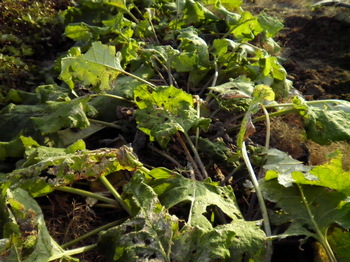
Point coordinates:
[[315, 46]]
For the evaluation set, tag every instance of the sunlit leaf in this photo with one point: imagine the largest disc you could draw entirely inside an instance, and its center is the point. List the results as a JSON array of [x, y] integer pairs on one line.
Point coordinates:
[[98, 67], [166, 111], [312, 209], [176, 189], [280, 165], [64, 167], [325, 122]]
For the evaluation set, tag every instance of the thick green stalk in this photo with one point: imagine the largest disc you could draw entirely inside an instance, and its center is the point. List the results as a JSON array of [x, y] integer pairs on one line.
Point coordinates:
[[321, 237], [93, 232], [85, 193], [72, 252], [115, 193]]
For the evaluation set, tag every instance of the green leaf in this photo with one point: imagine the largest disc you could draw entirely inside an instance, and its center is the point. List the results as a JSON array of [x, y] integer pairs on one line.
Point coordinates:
[[64, 114], [312, 209], [175, 189], [166, 111], [14, 148], [98, 67], [26, 230], [325, 121], [340, 242], [270, 24], [325, 125], [64, 167], [231, 242], [282, 166], [84, 32], [246, 28], [147, 236], [330, 175]]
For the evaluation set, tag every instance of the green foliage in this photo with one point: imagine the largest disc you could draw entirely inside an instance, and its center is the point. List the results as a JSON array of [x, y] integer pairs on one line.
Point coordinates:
[[325, 121], [166, 111], [174, 67], [304, 195], [158, 236], [25, 215], [97, 67]]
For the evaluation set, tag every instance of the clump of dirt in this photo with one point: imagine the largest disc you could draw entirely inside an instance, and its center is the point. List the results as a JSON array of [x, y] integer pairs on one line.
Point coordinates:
[[318, 55]]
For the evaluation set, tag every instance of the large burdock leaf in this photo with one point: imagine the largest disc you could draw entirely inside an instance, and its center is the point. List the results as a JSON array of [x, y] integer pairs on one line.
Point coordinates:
[[25, 232], [312, 209], [234, 242], [97, 67], [174, 189], [166, 111], [64, 114], [145, 237], [330, 175], [49, 168], [325, 121], [340, 242], [154, 235]]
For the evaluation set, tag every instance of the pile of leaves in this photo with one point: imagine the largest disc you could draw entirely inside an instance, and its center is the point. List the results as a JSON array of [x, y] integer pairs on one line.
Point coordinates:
[[178, 87]]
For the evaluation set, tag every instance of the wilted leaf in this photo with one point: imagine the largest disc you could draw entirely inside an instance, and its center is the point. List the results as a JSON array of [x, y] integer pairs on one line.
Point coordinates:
[[65, 167], [26, 231], [280, 165], [146, 236]]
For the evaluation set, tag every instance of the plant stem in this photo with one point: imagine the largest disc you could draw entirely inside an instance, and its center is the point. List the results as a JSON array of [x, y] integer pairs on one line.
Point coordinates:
[[322, 239], [93, 232], [190, 158], [177, 164], [196, 155], [260, 197], [115, 193], [268, 127], [106, 124], [87, 194], [117, 97], [314, 102], [72, 252]]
